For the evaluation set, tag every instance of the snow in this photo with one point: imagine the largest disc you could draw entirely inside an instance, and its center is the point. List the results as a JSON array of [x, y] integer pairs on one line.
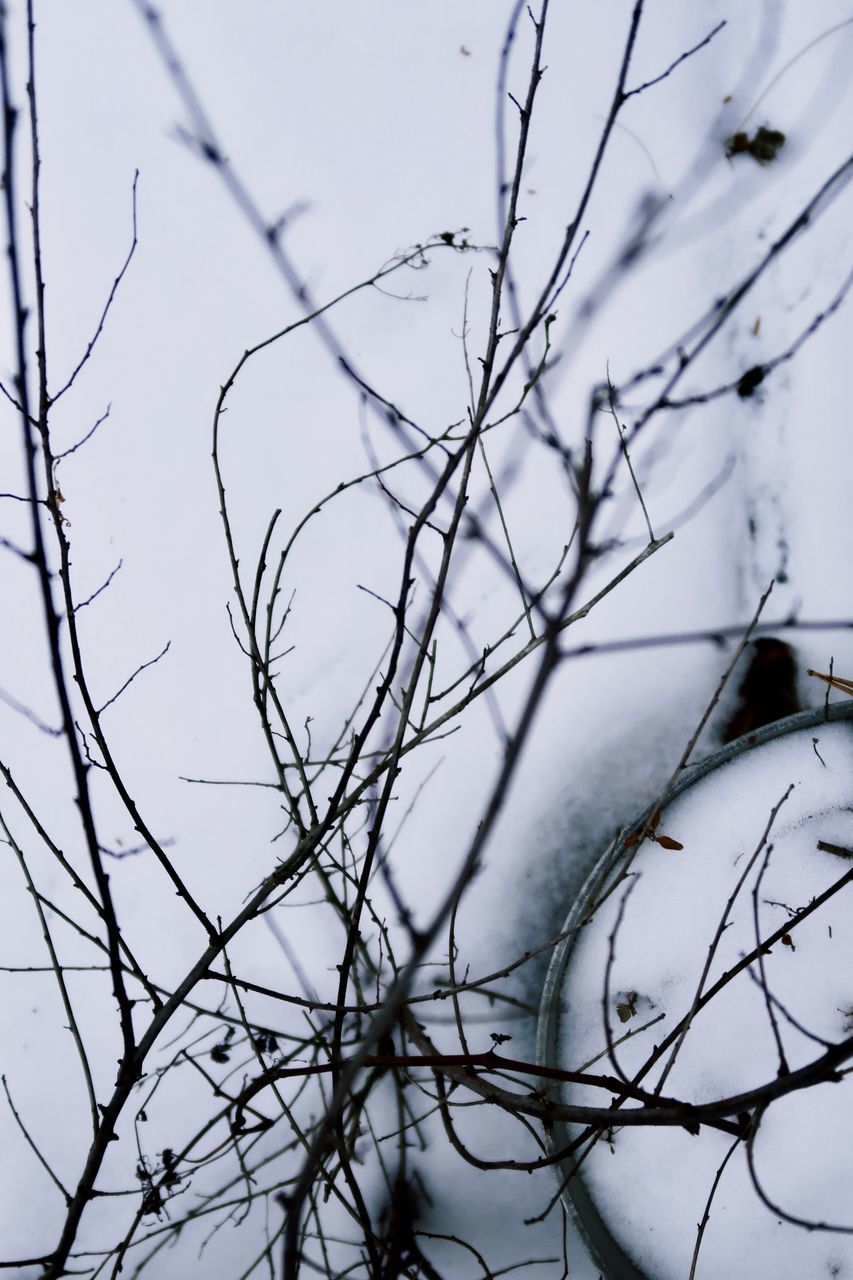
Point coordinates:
[[376, 118], [651, 1187]]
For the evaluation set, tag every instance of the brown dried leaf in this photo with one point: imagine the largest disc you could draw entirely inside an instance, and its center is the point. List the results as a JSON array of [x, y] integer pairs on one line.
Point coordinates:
[[627, 1008], [667, 842]]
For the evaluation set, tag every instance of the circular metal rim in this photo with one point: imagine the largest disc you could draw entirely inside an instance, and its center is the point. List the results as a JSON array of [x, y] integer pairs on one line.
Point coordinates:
[[604, 1250]]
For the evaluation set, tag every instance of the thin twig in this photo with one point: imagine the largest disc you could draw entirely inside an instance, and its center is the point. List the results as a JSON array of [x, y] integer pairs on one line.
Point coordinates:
[[700, 1231], [31, 1143]]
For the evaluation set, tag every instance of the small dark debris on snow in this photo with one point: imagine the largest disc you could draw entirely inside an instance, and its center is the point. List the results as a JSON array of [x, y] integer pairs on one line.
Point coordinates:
[[763, 146], [750, 380]]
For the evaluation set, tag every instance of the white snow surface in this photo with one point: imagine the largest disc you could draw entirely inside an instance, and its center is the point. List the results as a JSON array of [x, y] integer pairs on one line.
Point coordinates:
[[652, 1185]]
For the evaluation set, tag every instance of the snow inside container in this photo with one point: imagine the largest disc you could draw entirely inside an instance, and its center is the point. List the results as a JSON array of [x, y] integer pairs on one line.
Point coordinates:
[[748, 839]]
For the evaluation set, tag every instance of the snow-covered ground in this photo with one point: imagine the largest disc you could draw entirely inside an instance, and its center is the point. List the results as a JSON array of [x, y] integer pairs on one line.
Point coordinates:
[[381, 119]]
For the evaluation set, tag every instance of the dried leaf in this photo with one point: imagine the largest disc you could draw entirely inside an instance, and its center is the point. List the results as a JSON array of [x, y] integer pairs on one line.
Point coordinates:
[[667, 842], [766, 144], [152, 1202], [627, 1008], [788, 941], [763, 146]]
